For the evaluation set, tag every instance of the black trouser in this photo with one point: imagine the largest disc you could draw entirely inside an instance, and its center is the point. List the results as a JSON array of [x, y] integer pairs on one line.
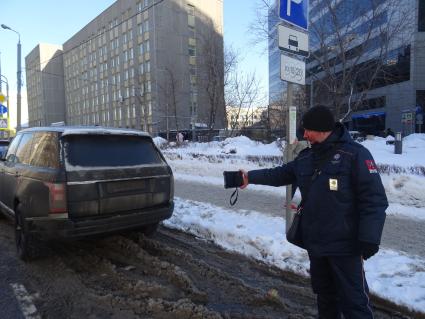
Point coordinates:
[[341, 287]]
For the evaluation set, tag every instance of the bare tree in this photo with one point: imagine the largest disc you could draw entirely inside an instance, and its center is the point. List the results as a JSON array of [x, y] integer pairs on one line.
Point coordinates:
[[169, 92], [351, 44], [244, 94], [141, 105], [212, 73], [265, 14]]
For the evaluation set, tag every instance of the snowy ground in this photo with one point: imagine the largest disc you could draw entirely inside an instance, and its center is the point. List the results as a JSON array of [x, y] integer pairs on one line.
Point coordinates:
[[391, 274]]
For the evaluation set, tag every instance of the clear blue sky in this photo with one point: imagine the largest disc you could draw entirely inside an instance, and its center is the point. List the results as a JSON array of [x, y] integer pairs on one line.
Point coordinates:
[[52, 21]]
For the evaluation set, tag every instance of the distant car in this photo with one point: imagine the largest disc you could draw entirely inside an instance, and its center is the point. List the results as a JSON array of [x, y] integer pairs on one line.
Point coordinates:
[[357, 136], [71, 182], [218, 138], [4, 144]]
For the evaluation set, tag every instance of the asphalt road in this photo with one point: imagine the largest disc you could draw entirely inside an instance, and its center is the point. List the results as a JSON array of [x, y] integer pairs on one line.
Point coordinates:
[[400, 234]]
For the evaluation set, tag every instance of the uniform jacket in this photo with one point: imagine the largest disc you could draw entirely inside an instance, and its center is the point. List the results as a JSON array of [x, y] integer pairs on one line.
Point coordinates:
[[346, 202]]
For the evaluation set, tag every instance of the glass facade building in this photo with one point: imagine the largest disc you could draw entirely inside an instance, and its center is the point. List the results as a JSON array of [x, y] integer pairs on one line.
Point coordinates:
[[382, 46]]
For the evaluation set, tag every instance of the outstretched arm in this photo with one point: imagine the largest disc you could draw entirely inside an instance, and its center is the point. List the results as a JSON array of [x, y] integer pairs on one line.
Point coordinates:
[[278, 176]]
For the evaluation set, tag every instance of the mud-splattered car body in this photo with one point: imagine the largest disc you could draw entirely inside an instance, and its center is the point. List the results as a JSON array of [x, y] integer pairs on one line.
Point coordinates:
[[71, 182]]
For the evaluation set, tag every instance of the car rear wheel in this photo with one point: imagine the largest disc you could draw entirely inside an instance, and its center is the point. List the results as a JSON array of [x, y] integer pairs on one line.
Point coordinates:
[[149, 230], [26, 246]]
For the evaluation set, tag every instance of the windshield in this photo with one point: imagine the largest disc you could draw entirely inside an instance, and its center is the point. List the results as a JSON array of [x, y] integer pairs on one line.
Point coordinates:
[[109, 151]]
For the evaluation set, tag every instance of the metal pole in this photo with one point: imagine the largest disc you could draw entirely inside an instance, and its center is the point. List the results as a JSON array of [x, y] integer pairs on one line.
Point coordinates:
[[289, 157], [311, 92], [166, 121], [0, 73], [18, 105]]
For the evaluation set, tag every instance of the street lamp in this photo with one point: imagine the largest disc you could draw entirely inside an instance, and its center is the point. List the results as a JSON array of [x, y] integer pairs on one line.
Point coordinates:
[[18, 97]]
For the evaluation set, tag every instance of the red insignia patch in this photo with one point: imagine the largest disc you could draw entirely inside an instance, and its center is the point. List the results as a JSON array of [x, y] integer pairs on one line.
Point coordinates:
[[371, 166]]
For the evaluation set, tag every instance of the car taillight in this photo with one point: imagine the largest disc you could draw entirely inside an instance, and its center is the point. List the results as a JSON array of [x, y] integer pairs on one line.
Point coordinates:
[[57, 198], [171, 187]]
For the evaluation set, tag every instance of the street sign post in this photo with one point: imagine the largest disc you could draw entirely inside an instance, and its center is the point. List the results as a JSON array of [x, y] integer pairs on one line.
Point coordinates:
[[292, 70], [293, 41], [294, 12]]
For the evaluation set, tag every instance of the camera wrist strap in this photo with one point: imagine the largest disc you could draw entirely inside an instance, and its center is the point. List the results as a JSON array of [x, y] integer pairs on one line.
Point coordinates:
[[234, 197]]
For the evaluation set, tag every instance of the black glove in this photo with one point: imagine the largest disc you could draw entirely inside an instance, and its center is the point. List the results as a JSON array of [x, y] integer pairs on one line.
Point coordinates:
[[368, 249]]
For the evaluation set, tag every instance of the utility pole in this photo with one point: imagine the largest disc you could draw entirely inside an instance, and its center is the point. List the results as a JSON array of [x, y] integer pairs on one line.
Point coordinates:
[[19, 74], [0, 74]]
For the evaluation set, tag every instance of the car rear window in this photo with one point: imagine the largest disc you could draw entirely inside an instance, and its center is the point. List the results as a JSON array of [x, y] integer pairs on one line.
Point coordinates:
[[113, 150]]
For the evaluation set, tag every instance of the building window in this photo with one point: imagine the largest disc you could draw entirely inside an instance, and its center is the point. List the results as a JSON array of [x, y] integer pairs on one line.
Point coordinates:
[[192, 50], [421, 16]]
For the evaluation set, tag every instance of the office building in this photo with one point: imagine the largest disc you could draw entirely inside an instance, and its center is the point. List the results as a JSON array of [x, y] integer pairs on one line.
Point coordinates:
[[45, 85], [148, 65]]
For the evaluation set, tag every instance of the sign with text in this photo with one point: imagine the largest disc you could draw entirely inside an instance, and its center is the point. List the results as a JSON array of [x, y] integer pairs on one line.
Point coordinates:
[[292, 70], [294, 12]]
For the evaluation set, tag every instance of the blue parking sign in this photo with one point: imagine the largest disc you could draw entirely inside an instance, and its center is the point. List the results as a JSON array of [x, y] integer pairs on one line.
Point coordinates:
[[3, 109], [294, 12]]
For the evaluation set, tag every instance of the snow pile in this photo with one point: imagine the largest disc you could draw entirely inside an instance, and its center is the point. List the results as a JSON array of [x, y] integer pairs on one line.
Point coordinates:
[[238, 146], [412, 154], [159, 141], [243, 147]]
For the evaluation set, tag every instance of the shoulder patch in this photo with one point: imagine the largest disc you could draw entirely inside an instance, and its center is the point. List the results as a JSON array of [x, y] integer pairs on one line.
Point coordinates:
[[371, 166]]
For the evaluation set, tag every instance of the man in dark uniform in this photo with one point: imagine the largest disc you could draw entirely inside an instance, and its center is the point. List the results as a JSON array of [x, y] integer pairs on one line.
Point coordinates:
[[343, 212]]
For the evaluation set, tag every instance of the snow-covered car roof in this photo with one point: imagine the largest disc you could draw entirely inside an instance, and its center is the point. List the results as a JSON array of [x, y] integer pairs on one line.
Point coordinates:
[[88, 130]]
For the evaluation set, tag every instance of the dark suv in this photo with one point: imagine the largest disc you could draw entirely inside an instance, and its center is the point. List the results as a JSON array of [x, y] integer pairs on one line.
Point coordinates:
[[71, 182]]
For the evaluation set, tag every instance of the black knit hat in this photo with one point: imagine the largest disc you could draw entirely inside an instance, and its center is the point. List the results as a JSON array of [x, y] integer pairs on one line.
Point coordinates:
[[318, 118]]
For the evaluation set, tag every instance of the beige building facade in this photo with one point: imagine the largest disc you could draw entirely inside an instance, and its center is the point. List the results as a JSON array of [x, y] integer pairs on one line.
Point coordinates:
[[45, 85], [149, 65]]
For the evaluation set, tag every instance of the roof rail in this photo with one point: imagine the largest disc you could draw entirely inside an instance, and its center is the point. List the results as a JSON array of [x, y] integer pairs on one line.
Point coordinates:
[[61, 123]]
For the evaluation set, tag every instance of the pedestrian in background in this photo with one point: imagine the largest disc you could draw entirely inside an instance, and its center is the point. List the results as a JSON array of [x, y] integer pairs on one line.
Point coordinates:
[[343, 212]]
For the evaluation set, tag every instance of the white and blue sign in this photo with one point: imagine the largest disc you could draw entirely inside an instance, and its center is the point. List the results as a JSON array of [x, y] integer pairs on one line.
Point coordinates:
[[3, 109], [294, 12]]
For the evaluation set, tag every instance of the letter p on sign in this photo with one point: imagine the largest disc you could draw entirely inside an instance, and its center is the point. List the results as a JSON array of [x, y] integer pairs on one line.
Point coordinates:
[[288, 6]]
